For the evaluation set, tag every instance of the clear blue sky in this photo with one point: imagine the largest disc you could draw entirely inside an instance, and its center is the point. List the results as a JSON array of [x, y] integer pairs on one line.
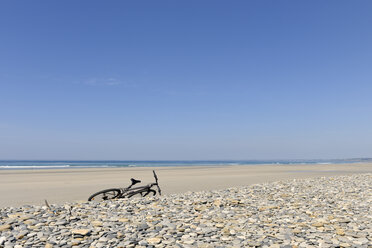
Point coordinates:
[[185, 79]]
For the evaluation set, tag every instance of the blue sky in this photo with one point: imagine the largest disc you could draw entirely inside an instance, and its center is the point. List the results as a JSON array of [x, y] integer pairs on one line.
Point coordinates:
[[185, 79]]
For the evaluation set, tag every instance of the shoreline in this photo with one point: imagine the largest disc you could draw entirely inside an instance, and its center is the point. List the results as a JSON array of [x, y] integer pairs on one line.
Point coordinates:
[[180, 167], [21, 187], [112, 164]]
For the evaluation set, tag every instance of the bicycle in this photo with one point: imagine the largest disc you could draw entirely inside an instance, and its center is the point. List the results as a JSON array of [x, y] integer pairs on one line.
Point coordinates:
[[128, 192]]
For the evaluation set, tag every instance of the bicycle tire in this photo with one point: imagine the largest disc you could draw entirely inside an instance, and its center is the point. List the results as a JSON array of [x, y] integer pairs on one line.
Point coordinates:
[[106, 194]]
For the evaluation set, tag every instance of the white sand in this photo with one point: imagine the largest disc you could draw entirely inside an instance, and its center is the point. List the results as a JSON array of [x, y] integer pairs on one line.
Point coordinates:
[[19, 187]]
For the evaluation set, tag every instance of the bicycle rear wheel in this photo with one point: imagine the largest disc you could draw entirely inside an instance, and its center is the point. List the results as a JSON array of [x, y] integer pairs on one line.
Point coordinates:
[[106, 194]]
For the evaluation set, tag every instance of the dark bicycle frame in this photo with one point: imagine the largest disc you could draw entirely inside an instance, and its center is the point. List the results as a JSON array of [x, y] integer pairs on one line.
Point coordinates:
[[129, 191]]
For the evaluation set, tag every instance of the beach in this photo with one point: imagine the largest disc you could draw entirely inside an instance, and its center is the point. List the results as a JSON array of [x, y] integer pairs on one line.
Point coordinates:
[[20, 187], [327, 211]]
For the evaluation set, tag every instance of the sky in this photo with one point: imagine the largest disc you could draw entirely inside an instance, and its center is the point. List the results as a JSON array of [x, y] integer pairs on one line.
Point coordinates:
[[185, 80]]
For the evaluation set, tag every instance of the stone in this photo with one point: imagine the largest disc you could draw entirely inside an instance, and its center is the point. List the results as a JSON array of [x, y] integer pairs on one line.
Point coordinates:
[[318, 224], [82, 232], [22, 234], [217, 203], [154, 241], [97, 223], [189, 241], [340, 232], [2, 240], [344, 245], [5, 227], [123, 220]]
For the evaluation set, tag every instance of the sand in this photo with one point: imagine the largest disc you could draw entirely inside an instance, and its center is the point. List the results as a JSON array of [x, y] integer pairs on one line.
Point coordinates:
[[20, 187]]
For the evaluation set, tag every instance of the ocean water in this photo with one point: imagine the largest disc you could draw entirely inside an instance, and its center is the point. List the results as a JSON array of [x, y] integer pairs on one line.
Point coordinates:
[[70, 164]]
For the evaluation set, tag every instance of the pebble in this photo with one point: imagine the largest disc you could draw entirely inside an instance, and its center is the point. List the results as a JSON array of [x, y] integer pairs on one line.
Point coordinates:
[[2, 240], [80, 232], [5, 227], [154, 241], [316, 212]]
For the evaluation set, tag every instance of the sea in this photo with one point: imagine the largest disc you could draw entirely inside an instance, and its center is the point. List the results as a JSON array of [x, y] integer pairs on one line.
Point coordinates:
[[72, 164]]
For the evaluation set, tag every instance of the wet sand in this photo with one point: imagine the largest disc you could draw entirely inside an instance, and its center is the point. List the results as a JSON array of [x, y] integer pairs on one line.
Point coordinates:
[[20, 187]]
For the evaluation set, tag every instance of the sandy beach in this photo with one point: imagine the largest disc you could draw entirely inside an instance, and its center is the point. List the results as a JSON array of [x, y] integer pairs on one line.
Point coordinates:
[[20, 187], [311, 212]]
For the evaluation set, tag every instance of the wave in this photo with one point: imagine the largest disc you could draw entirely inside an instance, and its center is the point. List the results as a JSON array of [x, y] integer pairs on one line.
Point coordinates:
[[32, 166], [94, 166]]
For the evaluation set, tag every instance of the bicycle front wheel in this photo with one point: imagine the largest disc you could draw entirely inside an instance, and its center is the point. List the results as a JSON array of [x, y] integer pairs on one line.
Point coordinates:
[[106, 194]]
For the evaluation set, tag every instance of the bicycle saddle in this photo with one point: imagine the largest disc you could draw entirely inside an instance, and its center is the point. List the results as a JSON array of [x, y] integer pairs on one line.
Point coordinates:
[[134, 181]]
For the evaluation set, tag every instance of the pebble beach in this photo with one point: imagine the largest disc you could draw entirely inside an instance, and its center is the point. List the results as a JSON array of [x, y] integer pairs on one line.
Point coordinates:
[[313, 212]]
